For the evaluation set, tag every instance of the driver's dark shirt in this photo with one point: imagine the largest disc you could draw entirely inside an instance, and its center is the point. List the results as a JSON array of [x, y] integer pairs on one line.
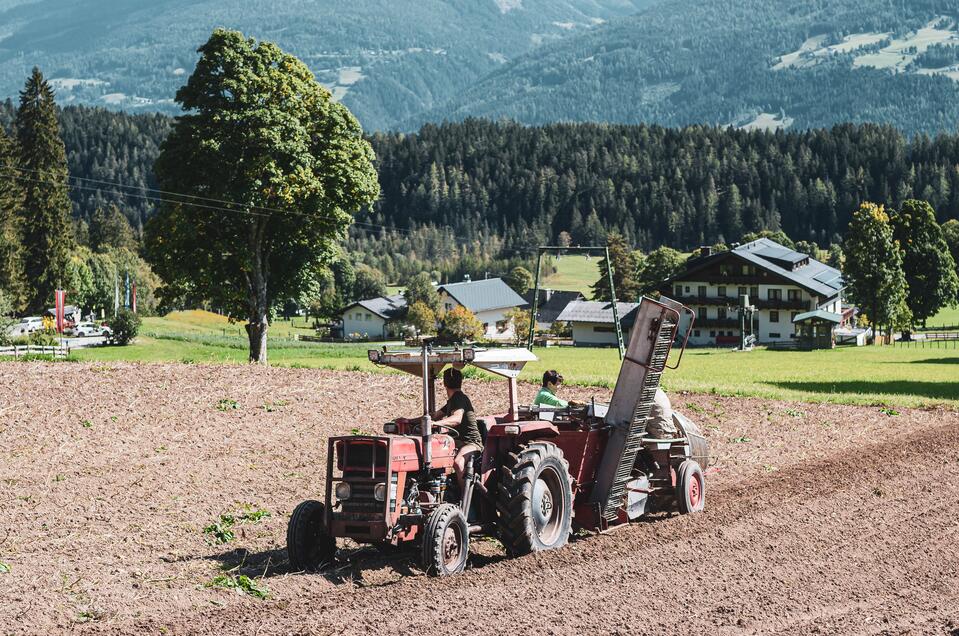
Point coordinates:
[[468, 430]]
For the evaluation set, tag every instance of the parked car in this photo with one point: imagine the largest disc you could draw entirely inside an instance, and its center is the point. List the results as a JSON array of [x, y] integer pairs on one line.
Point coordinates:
[[85, 329], [26, 326]]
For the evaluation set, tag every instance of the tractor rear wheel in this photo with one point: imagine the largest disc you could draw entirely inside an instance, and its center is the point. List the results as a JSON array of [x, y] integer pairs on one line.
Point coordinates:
[[535, 499], [446, 541], [308, 545], [690, 487]]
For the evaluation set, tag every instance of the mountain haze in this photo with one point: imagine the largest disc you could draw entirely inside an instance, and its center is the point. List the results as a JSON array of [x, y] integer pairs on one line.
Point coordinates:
[[752, 63], [388, 61]]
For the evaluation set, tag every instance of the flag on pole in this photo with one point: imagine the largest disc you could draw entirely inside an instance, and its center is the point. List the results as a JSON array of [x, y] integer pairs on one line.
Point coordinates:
[[133, 304], [116, 294], [127, 302], [60, 299]]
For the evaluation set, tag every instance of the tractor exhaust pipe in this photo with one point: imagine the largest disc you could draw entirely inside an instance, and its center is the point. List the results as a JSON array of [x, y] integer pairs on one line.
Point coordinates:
[[427, 427]]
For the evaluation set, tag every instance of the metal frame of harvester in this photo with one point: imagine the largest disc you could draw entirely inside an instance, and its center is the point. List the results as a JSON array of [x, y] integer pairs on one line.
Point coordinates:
[[543, 471], [534, 308]]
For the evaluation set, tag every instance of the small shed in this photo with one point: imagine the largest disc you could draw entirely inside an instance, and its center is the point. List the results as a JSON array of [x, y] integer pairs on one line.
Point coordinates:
[[816, 329]]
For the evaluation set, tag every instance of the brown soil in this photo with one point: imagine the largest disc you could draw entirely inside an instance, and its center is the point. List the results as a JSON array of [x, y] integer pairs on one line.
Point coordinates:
[[820, 518]]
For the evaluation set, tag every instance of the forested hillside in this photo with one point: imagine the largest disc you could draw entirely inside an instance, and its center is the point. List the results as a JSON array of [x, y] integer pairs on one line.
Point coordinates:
[[496, 188], [740, 62], [388, 61]]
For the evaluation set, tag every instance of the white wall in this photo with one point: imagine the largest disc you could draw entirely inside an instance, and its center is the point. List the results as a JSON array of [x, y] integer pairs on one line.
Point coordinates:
[[585, 334], [364, 322]]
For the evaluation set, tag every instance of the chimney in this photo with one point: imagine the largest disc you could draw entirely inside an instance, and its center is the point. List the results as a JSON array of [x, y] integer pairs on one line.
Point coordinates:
[[706, 250], [549, 294], [466, 278]]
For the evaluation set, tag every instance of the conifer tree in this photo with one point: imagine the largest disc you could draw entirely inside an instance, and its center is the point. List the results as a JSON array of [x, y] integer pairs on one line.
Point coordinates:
[[47, 232], [625, 272], [12, 279]]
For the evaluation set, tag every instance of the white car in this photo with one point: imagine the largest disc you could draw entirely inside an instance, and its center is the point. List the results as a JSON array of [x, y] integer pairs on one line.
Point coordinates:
[[26, 326], [91, 329]]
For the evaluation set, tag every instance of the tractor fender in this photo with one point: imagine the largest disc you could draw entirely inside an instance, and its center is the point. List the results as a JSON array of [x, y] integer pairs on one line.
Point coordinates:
[[528, 430]]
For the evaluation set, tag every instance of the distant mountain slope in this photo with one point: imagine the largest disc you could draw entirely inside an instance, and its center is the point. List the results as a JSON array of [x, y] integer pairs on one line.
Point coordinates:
[[388, 60], [754, 63]]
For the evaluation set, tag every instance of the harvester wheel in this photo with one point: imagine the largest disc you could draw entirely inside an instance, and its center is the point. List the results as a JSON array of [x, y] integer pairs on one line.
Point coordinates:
[[535, 499], [308, 545], [446, 541], [690, 487]]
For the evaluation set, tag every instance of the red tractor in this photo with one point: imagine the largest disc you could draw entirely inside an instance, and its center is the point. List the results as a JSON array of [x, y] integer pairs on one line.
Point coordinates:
[[543, 470]]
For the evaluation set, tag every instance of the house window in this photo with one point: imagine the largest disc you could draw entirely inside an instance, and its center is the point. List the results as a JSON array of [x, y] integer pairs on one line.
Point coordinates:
[[702, 291], [774, 316], [722, 313], [604, 329], [696, 333], [701, 313], [712, 334], [775, 335], [678, 290], [449, 306], [721, 290], [747, 270], [687, 289], [369, 317], [502, 325], [725, 270], [774, 294], [794, 294], [741, 292], [754, 292]]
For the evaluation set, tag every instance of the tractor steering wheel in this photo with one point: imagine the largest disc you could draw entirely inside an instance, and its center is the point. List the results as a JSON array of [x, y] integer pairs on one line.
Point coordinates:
[[449, 430]]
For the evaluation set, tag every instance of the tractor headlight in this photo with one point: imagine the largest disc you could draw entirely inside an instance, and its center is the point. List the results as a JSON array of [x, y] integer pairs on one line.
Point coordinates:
[[343, 490], [511, 429], [379, 492]]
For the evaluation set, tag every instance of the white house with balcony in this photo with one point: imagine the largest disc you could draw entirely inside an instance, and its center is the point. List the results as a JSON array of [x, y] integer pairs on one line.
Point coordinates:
[[781, 283]]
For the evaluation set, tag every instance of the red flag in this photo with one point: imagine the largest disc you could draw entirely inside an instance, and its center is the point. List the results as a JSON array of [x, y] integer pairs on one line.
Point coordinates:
[[133, 302], [60, 299]]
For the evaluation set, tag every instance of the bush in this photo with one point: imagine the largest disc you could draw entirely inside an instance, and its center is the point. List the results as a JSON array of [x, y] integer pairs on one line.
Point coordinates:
[[460, 325], [125, 326]]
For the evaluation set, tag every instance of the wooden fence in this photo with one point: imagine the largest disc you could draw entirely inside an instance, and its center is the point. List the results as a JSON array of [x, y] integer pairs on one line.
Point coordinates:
[[18, 351]]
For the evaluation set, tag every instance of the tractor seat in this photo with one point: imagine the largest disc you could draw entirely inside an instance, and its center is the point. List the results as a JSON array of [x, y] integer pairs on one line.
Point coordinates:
[[484, 423]]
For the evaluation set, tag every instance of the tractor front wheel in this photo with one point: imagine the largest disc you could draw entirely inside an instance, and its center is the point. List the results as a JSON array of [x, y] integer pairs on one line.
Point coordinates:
[[308, 545], [690, 487], [535, 499], [446, 541]]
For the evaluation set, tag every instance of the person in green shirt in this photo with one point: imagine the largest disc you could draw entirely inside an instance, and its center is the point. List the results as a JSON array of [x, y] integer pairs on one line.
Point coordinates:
[[547, 395]]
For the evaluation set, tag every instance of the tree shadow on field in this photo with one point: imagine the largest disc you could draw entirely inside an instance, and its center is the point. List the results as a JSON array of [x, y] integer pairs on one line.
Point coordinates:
[[931, 361], [934, 390]]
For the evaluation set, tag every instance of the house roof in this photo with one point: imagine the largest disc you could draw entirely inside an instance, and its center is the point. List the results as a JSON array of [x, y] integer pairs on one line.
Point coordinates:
[[820, 314], [596, 312], [483, 295], [385, 307], [799, 269], [549, 309]]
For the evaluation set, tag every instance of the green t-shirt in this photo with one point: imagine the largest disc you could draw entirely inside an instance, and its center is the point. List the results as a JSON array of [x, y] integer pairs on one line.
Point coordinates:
[[468, 429], [545, 397]]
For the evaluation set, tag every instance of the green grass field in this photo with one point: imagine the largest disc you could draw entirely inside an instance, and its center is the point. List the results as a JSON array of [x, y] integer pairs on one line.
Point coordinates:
[[910, 376], [948, 317], [573, 273]]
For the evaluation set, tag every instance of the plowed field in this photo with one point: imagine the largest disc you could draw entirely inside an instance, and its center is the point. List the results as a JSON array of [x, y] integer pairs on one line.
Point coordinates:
[[819, 518]]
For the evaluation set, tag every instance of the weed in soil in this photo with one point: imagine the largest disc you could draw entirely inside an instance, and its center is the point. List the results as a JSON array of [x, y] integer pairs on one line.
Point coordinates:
[[221, 530], [227, 404], [4, 567], [889, 412], [745, 439], [86, 424], [241, 583]]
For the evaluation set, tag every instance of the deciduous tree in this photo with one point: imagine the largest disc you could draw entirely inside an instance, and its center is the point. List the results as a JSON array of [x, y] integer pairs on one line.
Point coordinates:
[[281, 167], [460, 325], [661, 263], [520, 280], [420, 289], [421, 317], [927, 263], [873, 266]]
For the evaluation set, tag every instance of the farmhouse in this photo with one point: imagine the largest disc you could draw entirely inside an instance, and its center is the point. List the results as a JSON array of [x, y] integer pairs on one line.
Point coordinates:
[[592, 322], [551, 304], [781, 283], [490, 300], [373, 319]]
